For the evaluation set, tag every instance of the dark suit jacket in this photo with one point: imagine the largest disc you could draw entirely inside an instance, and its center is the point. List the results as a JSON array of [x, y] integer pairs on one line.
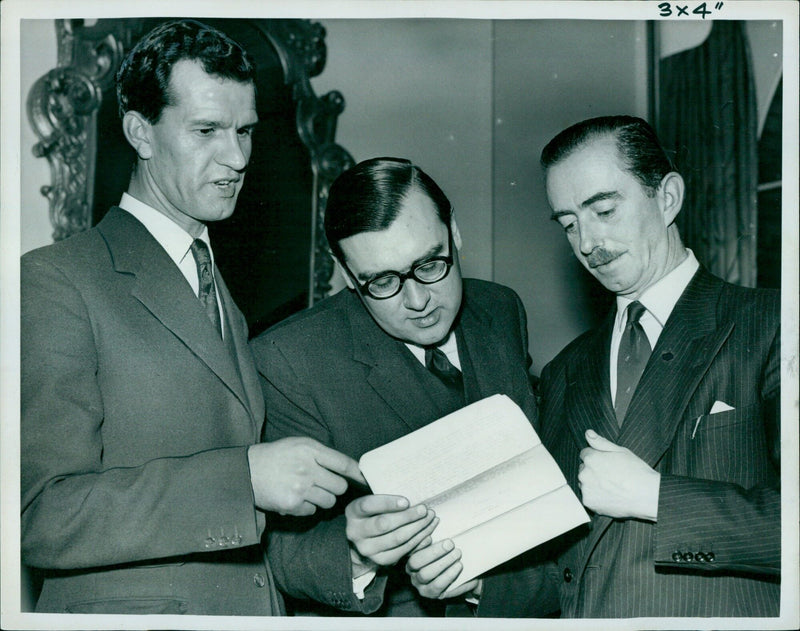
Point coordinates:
[[331, 373], [136, 417], [720, 489]]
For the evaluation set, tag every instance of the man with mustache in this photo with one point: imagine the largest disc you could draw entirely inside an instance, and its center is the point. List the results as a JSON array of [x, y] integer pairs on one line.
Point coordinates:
[[143, 486], [407, 342], [665, 420]]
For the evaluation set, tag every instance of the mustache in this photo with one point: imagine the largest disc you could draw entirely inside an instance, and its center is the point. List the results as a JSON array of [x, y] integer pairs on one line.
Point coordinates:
[[600, 256]]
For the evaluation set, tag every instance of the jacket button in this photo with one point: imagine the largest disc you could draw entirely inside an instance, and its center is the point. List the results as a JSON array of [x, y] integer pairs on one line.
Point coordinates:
[[701, 557], [688, 556], [710, 556], [567, 575], [259, 580], [677, 557]]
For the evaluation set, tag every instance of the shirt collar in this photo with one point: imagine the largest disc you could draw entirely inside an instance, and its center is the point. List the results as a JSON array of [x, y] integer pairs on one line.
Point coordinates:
[[174, 239], [449, 347], [661, 297]]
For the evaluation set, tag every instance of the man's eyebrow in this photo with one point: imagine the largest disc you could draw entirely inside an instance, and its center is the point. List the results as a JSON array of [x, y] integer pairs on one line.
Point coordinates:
[[599, 197], [204, 122], [434, 251], [208, 122]]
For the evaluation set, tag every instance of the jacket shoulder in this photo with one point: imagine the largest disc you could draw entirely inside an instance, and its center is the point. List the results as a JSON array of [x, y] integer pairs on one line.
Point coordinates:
[[738, 301], [319, 323]]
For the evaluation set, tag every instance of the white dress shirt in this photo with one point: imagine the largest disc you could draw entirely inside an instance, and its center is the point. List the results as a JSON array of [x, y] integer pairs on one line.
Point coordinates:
[[659, 300]]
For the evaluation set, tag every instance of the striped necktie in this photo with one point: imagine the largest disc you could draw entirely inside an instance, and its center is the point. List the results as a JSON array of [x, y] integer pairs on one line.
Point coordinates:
[[436, 361], [634, 352], [207, 293]]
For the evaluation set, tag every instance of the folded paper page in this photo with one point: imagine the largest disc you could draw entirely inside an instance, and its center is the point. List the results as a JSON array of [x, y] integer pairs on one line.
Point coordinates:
[[483, 470]]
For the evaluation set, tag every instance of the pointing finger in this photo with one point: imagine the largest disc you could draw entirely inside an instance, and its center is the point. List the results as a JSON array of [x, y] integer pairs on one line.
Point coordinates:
[[339, 463]]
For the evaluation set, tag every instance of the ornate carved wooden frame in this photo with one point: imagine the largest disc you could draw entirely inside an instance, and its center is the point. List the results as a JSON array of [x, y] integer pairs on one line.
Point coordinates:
[[62, 107]]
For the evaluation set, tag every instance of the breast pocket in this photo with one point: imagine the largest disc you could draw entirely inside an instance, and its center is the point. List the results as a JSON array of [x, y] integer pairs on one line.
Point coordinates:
[[725, 446]]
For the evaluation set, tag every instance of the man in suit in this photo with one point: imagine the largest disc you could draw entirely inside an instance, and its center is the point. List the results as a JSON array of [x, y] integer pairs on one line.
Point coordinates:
[[675, 450], [351, 372], [142, 485]]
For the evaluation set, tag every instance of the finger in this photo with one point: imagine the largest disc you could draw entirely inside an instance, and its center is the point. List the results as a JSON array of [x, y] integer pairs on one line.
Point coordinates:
[[387, 532], [394, 554], [428, 555], [370, 505], [601, 444], [437, 587], [329, 481], [432, 571], [339, 463], [303, 509], [320, 497], [461, 589], [423, 544]]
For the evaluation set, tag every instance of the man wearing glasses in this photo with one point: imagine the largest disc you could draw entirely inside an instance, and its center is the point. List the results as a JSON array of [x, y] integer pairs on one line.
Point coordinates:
[[409, 342]]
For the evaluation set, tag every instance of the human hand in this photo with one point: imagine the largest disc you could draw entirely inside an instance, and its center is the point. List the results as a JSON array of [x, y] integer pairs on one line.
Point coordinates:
[[616, 482], [383, 528], [294, 476], [434, 568]]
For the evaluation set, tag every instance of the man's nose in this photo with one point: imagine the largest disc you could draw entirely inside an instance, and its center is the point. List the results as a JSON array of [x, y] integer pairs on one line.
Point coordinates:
[[415, 295], [589, 238], [235, 151]]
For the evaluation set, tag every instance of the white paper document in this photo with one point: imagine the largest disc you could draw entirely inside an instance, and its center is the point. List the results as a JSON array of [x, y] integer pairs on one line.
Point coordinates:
[[495, 488]]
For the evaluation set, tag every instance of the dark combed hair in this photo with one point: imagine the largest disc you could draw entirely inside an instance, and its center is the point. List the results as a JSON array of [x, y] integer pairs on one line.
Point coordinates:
[[637, 143], [143, 76], [367, 198]]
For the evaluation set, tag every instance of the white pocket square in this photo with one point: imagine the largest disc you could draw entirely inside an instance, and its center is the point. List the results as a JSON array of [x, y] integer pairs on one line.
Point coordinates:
[[720, 406]]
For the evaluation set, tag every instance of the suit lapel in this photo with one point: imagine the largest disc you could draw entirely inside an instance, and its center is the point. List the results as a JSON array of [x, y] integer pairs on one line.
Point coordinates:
[[249, 389], [391, 374], [588, 392], [162, 289], [686, 348], [473, 336]]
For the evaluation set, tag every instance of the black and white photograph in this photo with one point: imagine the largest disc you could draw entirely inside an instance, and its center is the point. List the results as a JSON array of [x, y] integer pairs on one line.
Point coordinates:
[[475, 314]]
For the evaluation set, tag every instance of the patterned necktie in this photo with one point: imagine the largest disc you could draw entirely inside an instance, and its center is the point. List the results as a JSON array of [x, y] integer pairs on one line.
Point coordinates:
[[436, 361], [634, 352], [207, 292]]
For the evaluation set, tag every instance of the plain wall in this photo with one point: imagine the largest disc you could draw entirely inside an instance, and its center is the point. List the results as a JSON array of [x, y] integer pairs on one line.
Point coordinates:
[[421, 89]]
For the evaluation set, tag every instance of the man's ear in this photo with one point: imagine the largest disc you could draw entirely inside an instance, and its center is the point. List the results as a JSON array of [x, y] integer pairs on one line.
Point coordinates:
[[670, 193], [139, 133], [454, 231], [348, 281]]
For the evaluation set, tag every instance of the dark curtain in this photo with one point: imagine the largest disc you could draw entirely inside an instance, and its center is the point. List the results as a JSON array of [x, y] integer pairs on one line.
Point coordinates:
[[707, 115]]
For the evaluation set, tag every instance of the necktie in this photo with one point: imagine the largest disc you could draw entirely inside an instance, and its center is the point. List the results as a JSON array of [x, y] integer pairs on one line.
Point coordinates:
[[634, 351], [207, 292], [436, 361]]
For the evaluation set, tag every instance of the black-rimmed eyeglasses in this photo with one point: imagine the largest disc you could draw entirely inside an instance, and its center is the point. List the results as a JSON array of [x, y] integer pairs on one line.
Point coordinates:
[[390, 283]]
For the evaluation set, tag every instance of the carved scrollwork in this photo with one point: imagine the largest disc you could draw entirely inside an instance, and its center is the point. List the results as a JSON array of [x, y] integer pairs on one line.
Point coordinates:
[[61, 108]]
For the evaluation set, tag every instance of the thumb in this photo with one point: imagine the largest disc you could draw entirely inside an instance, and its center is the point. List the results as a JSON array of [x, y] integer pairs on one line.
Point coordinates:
[[601, 444]]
